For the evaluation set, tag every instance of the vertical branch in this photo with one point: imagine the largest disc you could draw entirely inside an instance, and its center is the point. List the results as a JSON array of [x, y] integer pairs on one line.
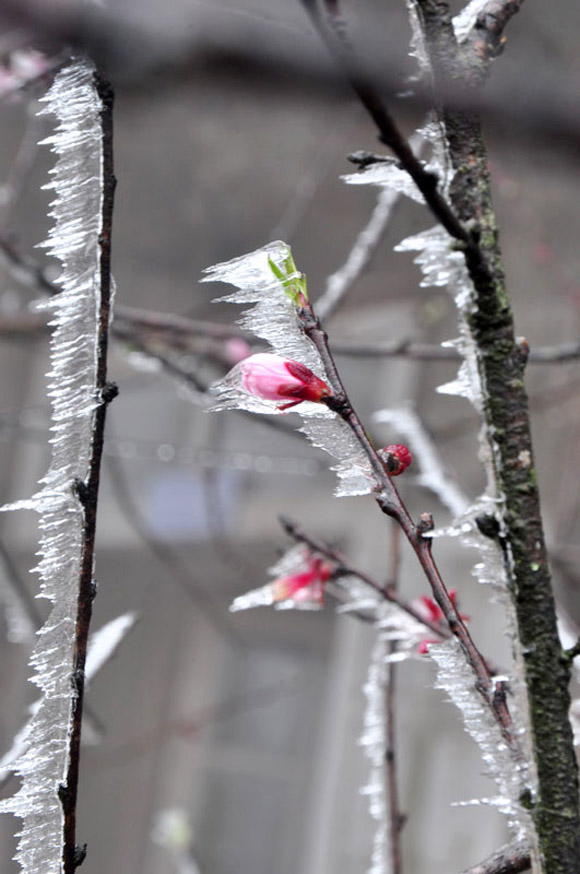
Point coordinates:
[[501, 362], [88, 490], [83, 181]]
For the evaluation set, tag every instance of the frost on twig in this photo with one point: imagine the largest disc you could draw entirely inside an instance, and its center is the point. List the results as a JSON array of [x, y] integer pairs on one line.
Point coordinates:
[[272, 317], [78, 185], [512, 778], [103, 645]]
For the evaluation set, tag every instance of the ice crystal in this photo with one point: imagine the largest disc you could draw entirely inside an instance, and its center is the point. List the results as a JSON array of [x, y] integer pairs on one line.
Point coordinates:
[[374, 741], [464, 21], [272, 317], [511, 775], [101, 647], [389, 175], [74, 241]]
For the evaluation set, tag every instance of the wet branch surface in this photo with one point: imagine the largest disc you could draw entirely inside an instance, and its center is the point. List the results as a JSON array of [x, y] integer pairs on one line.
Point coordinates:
[[88, 492]]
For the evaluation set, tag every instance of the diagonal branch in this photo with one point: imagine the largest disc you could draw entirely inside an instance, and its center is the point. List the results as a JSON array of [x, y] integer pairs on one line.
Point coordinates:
[[511, 859]]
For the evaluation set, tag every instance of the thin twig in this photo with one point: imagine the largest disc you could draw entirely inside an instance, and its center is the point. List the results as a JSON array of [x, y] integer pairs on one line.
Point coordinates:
[[344, 567], [391, 504], [511, 859], [389, 134]]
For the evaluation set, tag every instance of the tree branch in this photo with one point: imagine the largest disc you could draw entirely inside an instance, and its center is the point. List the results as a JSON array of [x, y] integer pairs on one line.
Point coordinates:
[[344, 567], [390, 502], [90, 489], [511, 859], [487, 37], [501, 364]]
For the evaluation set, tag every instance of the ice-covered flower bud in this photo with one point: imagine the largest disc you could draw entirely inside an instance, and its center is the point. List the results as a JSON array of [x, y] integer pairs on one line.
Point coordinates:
[[302, 589], [396, 458], [272, 378], [305, 587]]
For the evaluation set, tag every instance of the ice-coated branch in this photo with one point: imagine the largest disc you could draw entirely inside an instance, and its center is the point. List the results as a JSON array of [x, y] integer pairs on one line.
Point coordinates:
[[390, 502], [511, 859], [500, 363], [84, 183]]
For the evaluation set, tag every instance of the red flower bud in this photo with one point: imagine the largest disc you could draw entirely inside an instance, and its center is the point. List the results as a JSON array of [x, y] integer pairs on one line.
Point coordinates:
[[396, 458], [272, 378]]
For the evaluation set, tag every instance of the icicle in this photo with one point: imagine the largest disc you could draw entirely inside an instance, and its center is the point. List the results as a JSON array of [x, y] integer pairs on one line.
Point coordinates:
[[102, 646], [388, 175], [456, 677], [272, 317], [77, 181], [105, 642]]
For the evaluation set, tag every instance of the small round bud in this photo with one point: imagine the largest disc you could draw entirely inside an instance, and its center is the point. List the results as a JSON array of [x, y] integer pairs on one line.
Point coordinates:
[[396, 458]]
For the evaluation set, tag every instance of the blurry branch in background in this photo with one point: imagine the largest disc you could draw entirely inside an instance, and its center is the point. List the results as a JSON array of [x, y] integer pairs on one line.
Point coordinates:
[[341, 282], [131, 323], [139, 56]]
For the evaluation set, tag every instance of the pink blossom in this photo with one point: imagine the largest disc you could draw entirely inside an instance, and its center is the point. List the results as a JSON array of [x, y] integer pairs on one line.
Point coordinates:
[[273, 378], [306, 587]]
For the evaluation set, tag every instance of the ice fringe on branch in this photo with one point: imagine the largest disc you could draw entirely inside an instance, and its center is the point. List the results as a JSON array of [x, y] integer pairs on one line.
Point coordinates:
[[103, 645], [443, 266], [272, 317], [77, 182]]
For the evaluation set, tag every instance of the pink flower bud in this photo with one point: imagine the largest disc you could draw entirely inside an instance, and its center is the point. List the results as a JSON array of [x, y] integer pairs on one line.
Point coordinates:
[[273, 378], [306, 587], [396, 458]]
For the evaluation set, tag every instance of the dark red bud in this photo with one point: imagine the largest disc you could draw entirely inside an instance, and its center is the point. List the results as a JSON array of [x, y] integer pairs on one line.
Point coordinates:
[[396, 458]]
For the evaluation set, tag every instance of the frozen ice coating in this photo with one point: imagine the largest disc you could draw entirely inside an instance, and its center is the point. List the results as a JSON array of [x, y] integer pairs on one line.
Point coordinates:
[[272, 317], [374, 740], [512, 776], [102, 646], [104, 643], [74, 242], [465, 20], [388, 175]]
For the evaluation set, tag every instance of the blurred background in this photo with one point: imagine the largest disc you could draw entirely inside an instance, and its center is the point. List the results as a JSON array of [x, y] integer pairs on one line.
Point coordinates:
[[246, 725]]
